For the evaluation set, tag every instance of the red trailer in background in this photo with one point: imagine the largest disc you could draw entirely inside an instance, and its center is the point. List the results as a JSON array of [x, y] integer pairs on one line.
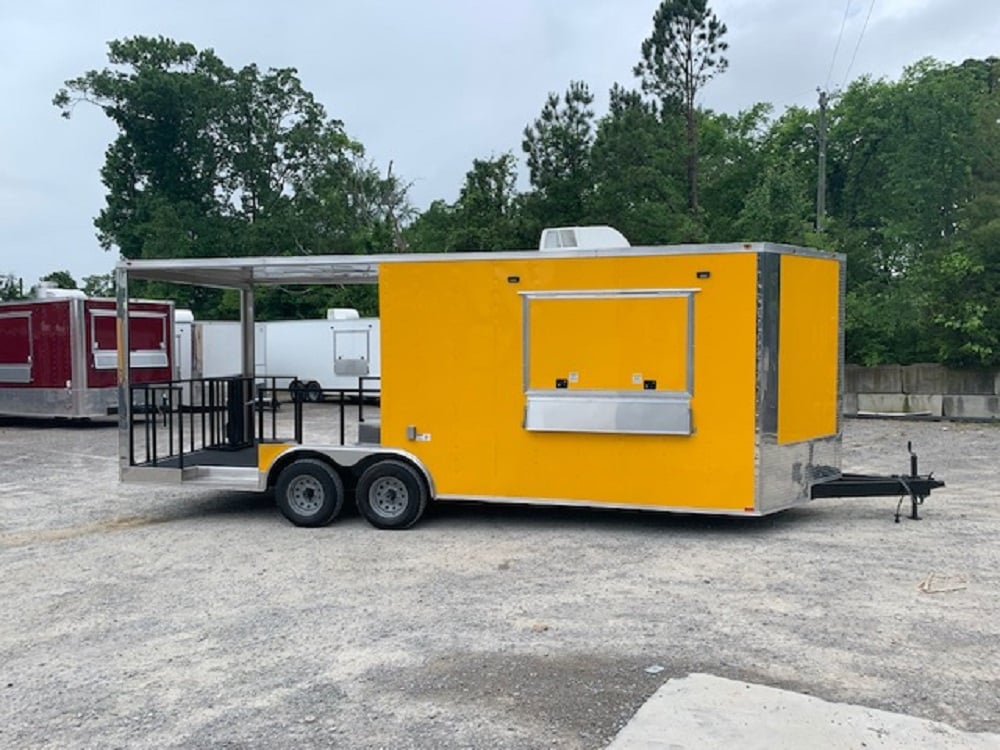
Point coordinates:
[[59, 356]]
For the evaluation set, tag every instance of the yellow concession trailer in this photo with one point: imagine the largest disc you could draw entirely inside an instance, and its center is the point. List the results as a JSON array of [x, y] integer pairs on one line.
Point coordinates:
[[696, 378]]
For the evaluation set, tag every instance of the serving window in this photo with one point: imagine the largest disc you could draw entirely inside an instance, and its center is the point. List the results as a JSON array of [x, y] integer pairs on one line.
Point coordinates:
[[148, 336], [15, 347], [609, 360]]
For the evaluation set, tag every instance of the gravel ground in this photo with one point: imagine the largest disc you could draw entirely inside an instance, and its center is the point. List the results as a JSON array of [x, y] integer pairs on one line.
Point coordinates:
[[169, 618]]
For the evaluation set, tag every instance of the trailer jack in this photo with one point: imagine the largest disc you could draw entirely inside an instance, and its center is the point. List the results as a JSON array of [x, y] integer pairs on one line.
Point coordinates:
[[916, 486]]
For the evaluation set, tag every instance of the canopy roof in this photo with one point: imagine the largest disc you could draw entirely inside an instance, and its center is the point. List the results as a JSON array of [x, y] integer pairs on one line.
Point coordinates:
[[242, 273]]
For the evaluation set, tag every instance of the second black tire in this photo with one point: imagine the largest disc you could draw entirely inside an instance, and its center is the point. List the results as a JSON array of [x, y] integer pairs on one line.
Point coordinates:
[[391, 494]]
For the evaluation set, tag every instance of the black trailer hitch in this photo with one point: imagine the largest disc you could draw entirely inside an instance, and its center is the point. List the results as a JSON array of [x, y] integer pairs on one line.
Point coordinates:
[[913, 485]]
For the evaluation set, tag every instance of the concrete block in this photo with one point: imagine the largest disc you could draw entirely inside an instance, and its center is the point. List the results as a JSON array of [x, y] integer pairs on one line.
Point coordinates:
[[920, 403], [881, 402], [850, 405], [972, 407], [927, 378], [979, 382], [900, 403], [852, 378], [881, 379]]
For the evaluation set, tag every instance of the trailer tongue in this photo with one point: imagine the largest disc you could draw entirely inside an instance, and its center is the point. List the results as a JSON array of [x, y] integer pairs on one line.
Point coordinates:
[[915, 486]]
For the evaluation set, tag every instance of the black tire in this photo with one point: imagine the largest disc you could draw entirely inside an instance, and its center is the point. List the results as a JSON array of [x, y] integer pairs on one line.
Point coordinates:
[[297, 390], [314, 392], [391, 494], [309, 492]]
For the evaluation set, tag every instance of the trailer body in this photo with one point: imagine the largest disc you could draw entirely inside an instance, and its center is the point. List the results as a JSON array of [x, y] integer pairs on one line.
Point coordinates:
[[59, 356], [699, 379], [685, 378]]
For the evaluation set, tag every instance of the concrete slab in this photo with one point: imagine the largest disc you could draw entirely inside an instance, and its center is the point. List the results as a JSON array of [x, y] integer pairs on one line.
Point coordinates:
[[703, 711]]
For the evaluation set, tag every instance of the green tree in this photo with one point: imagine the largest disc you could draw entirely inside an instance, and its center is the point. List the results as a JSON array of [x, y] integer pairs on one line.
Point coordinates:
[[557, 146], [430, 231], [683, 53], [60, 280], [11, 288], [913, 197], [485, 207], [215, 161], [733, 159], [488, 214], [963, 280], [99, 285], [638, 173], [777, 208]]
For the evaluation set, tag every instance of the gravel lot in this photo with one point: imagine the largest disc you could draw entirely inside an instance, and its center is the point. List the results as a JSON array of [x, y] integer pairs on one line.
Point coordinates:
[[156, 618]]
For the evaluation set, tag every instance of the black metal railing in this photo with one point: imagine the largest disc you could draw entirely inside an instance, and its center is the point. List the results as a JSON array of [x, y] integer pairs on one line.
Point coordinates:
[[177, 418], [175, 423], [373, 392]]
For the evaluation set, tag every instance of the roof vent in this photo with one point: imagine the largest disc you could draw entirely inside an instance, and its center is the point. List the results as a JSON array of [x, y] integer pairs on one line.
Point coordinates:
[[582, 238], [48, 290], [342, 313]]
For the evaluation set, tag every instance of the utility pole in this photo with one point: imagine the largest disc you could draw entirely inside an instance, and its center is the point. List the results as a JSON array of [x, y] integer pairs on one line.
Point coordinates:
[[821, 178]]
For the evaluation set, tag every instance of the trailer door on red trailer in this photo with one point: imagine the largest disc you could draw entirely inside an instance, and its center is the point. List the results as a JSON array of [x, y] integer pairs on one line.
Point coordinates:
[[15, 347]]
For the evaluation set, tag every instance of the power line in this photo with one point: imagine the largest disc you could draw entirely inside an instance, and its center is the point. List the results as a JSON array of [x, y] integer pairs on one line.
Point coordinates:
[[836, 49], [858, 45]]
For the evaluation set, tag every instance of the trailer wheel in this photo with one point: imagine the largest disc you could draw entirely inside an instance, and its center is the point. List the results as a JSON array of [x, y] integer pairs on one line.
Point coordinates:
[[314, 392], [391, 494], [297, 390], [309, 492]]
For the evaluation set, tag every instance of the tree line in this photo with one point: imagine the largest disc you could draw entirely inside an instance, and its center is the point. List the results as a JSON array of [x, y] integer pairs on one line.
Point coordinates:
[[214, 161]]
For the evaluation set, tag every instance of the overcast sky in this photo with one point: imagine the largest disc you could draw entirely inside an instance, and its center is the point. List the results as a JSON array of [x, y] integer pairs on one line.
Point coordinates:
[[429, 85]]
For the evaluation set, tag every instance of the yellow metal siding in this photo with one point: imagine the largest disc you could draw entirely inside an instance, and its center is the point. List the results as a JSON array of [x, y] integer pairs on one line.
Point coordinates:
[[268, 452], [452, 367], [808, 348]]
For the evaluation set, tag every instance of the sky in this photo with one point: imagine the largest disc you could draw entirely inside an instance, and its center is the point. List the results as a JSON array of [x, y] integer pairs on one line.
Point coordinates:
[[429, 86]]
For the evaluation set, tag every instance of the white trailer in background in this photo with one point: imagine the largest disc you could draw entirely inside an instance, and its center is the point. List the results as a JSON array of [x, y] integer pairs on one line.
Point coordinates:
[[210, 349], [310, 356], [305, 356]]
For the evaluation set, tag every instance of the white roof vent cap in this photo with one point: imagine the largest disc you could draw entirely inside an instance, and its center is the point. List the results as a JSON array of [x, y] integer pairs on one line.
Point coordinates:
[[342, 313], [582, 238]]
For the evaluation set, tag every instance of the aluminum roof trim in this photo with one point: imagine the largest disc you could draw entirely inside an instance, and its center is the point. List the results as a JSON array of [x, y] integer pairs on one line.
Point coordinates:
[[363, 269]]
